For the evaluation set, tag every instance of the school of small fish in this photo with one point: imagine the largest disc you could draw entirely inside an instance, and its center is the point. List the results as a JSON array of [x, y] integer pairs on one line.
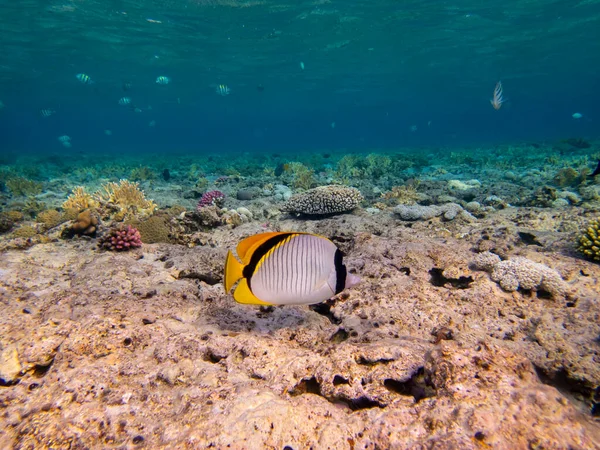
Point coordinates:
[[223, 90]]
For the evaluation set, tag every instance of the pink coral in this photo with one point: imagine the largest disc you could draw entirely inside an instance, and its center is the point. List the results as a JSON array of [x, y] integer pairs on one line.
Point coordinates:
[[121, 239], [211, 198]]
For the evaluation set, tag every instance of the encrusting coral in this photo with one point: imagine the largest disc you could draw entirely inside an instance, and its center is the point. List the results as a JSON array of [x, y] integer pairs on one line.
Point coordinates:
[[589, 241], [449, 211], [521, 273]]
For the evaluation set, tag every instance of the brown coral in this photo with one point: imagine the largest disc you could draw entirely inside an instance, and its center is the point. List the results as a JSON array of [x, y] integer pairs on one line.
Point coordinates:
[[50, 218], [86, 223], [153, 230]]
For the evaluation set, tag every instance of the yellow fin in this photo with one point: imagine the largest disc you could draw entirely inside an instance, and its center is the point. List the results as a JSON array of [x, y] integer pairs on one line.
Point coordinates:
[[242, 294], [233, 271], [246, 248]]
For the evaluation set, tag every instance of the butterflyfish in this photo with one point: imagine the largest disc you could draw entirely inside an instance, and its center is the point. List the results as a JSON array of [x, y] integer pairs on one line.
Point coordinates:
[[286, 268]]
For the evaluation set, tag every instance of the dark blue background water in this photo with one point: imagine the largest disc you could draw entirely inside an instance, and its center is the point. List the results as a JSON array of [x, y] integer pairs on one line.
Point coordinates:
[[372, 68]]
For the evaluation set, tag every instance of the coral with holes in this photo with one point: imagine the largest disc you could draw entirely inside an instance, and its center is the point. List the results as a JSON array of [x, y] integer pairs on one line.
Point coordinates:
[[324, 200], [589, 241], [521, 273]]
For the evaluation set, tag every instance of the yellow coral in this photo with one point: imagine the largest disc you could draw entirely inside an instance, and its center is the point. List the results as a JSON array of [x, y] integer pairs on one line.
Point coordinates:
[[80, 200], [127, 198], [589, 241]]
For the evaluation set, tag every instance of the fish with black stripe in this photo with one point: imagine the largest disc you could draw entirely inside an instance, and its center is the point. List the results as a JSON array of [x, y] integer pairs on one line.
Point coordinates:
[[286, 268]]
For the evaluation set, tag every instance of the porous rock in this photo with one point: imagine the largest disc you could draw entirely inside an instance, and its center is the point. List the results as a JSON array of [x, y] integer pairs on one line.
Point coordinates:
[[119, 351]]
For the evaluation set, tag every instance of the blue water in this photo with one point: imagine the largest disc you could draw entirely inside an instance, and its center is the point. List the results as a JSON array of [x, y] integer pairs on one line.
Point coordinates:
[[372, 69]]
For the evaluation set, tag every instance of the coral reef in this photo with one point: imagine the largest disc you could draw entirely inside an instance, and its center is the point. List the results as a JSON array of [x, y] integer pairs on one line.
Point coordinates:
[[80, 200], [125, 200], [86, 224], [449, 211], [324, 200], [521, 273], [589, 241], [210, 198], [19, 186], [121, 239]]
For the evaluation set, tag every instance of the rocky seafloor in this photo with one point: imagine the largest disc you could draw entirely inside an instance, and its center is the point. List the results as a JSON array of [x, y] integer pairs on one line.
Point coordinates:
[[145, 349]]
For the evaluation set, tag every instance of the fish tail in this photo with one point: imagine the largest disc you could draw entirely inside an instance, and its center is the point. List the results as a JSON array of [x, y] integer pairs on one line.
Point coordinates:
[[233, 271]]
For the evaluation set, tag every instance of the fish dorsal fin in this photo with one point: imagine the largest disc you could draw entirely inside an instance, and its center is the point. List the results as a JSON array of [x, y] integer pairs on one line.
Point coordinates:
[[243, 294], [246, 248]]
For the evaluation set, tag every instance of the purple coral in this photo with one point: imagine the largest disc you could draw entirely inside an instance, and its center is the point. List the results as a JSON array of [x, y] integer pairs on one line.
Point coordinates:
[[211, 198], [121, 239]]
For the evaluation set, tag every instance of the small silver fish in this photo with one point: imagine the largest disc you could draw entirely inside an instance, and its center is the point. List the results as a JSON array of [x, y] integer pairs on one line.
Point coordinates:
[[286, 268], [65, 141], [124, 101], [163, 80], [84, 78], [223, 90]]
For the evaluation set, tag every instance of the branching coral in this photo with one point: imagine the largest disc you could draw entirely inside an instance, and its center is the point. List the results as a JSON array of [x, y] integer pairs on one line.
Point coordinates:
[[80, 200], [19, 186], [126, 199]]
